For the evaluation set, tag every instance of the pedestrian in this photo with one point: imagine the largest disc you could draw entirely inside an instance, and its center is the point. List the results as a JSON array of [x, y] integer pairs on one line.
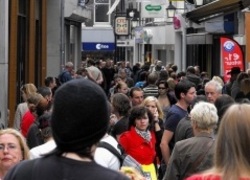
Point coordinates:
[[231, 156], [66, 74], [139, 141], [13, 150], [185, 93], [194, 154], [76, 128], [22, 108]]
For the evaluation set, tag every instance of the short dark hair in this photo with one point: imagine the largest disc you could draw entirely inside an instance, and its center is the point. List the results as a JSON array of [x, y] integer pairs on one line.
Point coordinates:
[[44, 91], [163, 82], [121, 104], [48, 80], [91, 62], [183, 87], [138, 112], [133, 89]]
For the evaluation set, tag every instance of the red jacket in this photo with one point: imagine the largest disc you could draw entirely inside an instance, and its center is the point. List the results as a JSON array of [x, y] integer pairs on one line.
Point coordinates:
[[134, 145], [27, 120]]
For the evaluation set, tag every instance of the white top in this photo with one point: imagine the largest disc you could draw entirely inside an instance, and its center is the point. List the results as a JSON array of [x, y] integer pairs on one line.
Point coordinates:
[[37, 151], [104, 157]]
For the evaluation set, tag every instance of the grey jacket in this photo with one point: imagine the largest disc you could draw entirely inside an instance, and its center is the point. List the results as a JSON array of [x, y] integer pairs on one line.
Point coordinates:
[[186, 153]]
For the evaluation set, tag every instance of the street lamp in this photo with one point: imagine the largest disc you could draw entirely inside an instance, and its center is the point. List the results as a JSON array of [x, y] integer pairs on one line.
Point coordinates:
[[171, 10], [198, 2]]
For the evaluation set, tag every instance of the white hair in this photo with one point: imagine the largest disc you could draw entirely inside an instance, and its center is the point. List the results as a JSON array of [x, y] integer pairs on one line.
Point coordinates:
[[216, 84], [204, 115]]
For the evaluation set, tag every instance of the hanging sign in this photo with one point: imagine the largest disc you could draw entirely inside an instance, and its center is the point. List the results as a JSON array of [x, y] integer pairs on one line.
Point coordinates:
[[121, 26]]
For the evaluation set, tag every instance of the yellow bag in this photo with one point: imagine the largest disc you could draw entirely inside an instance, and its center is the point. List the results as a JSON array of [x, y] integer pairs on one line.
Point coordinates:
[[149, 172]]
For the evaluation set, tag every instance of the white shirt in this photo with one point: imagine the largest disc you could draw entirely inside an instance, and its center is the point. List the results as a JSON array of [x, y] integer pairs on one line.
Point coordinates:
[[37, 151], [104, 157]]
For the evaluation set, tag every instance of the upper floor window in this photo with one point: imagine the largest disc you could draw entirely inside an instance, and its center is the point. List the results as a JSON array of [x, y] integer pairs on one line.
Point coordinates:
[[101, 7]]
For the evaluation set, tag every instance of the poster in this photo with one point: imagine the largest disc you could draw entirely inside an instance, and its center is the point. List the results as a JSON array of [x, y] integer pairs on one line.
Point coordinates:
[[231, 56]]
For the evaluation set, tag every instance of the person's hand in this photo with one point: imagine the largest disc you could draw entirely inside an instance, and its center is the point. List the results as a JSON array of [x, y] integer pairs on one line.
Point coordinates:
[[112, 119], [156, 115]]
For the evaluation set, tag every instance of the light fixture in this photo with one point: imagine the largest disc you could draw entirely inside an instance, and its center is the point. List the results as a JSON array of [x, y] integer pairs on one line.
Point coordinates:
[[198, 2], [134, 22], [132, 13], [82, 3], [171, 10]]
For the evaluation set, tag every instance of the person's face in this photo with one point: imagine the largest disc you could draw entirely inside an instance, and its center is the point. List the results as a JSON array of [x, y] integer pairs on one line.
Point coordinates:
[[123, 74], [117, 80], [151, 106], [190, 95], [162, 89], [137, 98], [53, 83], [211, 93], [123, 89], [10, 151], [142, 123]]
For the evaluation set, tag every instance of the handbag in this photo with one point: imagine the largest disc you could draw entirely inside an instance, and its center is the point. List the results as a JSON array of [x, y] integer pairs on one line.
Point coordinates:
[[125, 159]]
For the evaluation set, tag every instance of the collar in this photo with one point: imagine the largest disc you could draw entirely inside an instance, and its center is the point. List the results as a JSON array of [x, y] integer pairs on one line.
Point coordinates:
[[205, 134]]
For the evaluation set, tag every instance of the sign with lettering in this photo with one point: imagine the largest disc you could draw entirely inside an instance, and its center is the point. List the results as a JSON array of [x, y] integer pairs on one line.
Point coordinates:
[[121, 26], [231, 56], [90, 46]]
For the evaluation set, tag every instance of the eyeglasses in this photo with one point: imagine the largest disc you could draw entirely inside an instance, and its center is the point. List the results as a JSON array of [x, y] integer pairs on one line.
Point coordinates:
[[161, 88], [8, 146]]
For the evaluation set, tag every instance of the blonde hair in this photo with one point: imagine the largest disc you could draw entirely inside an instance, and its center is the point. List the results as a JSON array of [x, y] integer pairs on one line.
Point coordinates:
[[232, 157], [28, 89], [21, 140], [155, 100]]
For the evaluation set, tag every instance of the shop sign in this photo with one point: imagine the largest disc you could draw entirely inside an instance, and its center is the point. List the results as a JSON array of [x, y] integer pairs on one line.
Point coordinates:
[[88, 46], [121, 26], [152, 10], [231, 56]]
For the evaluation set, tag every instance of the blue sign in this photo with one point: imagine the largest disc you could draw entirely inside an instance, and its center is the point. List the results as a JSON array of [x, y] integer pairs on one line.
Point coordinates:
[[98, 46]]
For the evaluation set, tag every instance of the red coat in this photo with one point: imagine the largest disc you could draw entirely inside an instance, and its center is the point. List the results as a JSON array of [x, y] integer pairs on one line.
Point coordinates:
[[27, 120], [134, 145]]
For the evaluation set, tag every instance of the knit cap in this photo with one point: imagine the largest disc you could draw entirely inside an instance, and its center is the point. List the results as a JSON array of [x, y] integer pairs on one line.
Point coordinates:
[[80, 115]]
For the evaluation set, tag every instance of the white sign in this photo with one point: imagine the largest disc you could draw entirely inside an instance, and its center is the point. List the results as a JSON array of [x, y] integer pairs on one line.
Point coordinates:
[[121, 26]]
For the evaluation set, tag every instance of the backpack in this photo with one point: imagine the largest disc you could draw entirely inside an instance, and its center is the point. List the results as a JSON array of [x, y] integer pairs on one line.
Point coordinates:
[[125, 159]]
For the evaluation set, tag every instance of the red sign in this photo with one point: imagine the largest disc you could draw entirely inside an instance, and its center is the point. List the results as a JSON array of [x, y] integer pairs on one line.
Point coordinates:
[[231, 56]]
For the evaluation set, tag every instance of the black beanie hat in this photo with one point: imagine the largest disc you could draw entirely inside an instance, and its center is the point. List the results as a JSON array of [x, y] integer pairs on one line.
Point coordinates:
[[80, 115]]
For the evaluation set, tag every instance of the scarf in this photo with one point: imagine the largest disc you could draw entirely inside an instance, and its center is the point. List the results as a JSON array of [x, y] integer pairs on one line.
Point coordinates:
[[144, 134]]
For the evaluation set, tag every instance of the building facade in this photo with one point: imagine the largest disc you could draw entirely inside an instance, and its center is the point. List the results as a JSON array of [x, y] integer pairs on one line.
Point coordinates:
[[38, 37]]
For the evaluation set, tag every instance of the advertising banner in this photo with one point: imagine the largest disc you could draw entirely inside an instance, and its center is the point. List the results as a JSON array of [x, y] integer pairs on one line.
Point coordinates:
[[139, 35], [231, 56]]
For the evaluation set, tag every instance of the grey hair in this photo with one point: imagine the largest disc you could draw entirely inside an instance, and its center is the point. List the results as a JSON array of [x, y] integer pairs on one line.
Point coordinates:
[[216, 84], [204, 115]]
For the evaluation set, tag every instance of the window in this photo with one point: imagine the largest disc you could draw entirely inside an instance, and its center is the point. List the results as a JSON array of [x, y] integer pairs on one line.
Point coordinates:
[[101, 8]]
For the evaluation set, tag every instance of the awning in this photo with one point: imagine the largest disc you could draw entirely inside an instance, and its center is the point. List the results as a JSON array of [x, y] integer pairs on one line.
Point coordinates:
[[215, 9]]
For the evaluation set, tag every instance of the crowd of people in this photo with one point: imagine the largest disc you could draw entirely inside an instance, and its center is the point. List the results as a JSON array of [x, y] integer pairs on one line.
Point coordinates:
[[176, 125]]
